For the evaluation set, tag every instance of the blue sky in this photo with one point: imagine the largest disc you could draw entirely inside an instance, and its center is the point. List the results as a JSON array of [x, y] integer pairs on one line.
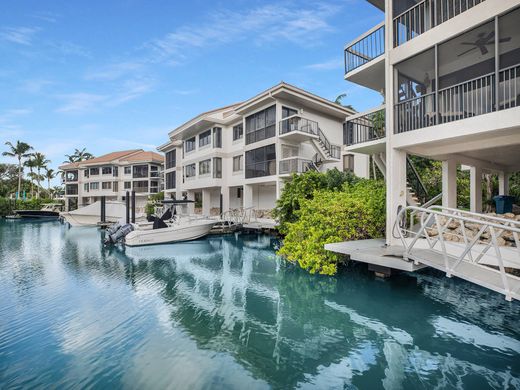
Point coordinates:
[[112, 75]]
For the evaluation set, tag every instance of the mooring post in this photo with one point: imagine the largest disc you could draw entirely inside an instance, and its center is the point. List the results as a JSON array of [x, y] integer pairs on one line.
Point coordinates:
[[127, 201], [133, 206], [103, 209], [221, 205]]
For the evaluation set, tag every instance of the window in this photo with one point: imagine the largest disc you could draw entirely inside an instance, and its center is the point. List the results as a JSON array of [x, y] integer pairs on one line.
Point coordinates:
[[71, 176], [204, 138], [170, 180], [190, 170], [140, 171], [171, 157], [261, 162], [189, 145], [154, 186], [239, 192], [115, 186], [128, 170], [217, 167], [205, 167], [286, 111], [217, 137], [94, 186], [71, 189], [348, 163], [94, 171], [85, 173], [237, 163], [106, 185], [154, 171], [128, 185], [238, 131], [85, 187], [106, 170], [115, 171], [140, 186], [261, 125]]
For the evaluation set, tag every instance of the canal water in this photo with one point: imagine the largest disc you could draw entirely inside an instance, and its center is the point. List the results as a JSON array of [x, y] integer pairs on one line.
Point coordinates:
[[225, 312]]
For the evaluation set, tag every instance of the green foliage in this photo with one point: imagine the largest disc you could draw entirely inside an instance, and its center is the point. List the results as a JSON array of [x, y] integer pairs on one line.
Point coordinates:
[[157, 197], [6, 205], [355, 212], [301, 187]]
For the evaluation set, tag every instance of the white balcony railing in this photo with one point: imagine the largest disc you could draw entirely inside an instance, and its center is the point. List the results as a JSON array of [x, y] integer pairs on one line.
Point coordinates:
[[366, 48]]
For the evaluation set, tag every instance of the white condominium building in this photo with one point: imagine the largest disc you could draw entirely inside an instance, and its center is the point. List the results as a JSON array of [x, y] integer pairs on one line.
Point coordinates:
[[450, 73], [241, 155], [112, 175]]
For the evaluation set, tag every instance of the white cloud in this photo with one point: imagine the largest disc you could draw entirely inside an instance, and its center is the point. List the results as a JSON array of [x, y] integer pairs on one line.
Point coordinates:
[[19, 35], [8, 116], [130, 90], [300, 24], [34, 86], [333, 64], [80, 102], [114, 71]]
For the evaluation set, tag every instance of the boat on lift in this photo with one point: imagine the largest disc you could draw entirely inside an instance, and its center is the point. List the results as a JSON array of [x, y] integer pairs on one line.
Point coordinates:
[[170, 227], [48, 211], [90, 215]]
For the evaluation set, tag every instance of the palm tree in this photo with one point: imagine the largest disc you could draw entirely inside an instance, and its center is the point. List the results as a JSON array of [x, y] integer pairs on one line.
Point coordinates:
[[55, 191], [30, 163], [41, 162], [339, 100], [20, 151], [78, 155], [49, 175]]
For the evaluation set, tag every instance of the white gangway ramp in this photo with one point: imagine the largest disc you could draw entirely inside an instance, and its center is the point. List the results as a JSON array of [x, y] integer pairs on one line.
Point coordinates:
[[468, 245]]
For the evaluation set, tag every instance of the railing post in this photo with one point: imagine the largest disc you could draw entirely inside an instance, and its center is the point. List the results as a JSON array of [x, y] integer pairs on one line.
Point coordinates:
[[497, 66]]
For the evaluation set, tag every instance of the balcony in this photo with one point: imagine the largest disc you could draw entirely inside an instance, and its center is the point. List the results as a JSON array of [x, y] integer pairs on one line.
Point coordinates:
[[465, 100], [425, 15], [364, 60], [298, 129], [294, 165], [365, 127]]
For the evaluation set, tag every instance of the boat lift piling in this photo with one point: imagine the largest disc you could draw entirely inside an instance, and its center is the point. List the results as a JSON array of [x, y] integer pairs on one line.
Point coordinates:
[[133, 206], [103, 209], [127, 201]]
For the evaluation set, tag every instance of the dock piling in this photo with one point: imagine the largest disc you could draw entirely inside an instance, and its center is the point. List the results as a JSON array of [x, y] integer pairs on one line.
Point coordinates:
[[133, 206], [127, 201]]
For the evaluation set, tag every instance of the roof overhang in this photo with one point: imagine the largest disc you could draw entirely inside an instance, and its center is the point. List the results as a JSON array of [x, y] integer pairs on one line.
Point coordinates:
[[378, 3], [291, 93]]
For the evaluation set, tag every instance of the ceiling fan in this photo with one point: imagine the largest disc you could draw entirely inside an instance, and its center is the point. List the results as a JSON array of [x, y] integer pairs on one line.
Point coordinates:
[[482, 41]]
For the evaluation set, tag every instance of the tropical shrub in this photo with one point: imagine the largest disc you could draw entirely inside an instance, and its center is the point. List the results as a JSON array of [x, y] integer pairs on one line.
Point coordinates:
[[355, 212], [302, 187], [6, 205]]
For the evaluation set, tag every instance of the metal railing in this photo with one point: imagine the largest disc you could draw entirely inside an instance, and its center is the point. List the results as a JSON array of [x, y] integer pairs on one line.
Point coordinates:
[[414, 180], [334, 151], [426, 15], [467, 99], [364, 128], [295, 165], [509, 87], [366, 48], [297, 123], [468, 245], [415, 113]]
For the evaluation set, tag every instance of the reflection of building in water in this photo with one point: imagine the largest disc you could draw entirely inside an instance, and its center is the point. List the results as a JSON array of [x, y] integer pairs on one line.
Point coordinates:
[[231, 294]]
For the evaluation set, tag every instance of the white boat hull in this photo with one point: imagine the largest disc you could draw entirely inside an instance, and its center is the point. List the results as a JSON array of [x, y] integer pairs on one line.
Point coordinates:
[[176, 233], [90, 215]]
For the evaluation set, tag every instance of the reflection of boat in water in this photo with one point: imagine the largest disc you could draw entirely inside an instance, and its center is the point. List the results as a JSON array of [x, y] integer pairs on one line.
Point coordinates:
[[168, 228], [90, 215], [48, 211], [182, 250]]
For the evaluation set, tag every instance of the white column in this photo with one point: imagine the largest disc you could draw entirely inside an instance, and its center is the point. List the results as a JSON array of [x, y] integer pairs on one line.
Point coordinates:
[[191, 206], [475, 189], [449, 183], [279, 188], [206, 202], [395, 189], [248, 195], [503, 183], [225, 199]]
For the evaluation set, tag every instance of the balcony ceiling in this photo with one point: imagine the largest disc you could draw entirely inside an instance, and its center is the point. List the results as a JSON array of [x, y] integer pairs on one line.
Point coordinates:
[[371, 75], [378, 3]]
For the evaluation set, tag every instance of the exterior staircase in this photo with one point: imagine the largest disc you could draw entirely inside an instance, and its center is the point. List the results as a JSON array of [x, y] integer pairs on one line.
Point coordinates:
[[329, 152]]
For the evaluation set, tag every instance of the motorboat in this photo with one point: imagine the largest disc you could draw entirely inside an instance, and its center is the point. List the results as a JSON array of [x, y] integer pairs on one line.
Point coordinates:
[[167, 228], [48, 211], [90, 215]]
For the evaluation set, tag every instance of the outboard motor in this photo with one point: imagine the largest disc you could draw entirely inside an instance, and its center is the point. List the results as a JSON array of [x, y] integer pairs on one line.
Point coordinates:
[[120, 233], [114, 228]]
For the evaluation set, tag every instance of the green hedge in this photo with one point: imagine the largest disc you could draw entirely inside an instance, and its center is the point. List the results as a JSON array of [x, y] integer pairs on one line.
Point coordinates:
[[355, 212], [33, 204]]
